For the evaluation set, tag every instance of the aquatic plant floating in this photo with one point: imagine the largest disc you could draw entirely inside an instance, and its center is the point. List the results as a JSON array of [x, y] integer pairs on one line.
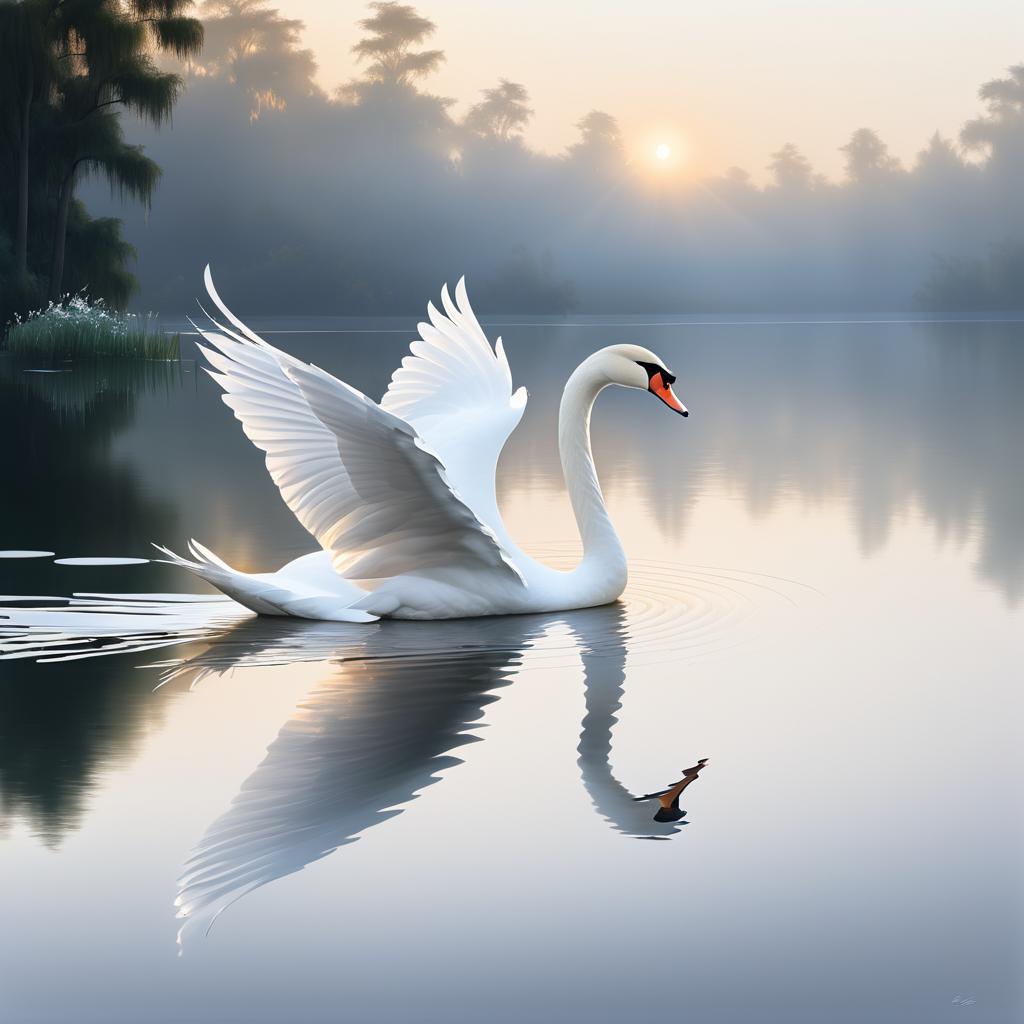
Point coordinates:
[[400, 494]]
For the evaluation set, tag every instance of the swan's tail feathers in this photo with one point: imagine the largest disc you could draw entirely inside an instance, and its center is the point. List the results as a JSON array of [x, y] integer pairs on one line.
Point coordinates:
[[261, 592], [239, 586]]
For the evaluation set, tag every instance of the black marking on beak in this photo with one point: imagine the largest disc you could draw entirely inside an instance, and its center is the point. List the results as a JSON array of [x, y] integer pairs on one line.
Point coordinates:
[[659, 383]]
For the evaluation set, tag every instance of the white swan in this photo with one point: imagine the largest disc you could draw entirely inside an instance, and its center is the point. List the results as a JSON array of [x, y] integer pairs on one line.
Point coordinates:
[[401, 495]]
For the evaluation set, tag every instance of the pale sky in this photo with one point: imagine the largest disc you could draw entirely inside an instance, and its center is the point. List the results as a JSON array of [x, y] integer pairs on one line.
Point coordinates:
[[726, 81]]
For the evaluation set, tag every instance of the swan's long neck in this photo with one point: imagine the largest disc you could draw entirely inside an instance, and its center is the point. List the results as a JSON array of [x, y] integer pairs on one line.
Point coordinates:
[[600, 542]]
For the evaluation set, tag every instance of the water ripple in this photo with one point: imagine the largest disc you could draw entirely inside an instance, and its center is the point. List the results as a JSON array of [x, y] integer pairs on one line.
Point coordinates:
[[684, 610]]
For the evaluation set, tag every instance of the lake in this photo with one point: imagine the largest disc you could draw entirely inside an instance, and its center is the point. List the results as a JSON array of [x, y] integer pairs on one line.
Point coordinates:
[[206, 816]]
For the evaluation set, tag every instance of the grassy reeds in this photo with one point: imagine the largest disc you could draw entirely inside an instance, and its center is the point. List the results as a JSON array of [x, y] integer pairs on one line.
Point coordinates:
[[78, 328]]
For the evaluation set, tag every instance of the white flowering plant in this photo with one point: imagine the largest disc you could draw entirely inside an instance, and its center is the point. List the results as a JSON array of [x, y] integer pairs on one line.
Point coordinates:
[[79, 326]]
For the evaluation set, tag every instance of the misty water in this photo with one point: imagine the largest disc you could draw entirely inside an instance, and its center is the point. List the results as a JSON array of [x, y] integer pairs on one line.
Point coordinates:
[[205, 816]]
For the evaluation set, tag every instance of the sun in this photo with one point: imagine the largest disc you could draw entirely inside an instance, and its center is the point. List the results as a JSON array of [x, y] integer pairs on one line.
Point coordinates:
[[663, 155]]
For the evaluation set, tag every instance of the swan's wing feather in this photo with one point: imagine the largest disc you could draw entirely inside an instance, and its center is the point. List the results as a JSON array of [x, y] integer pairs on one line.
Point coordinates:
[[452, 366], [457, 392], [301, 453], [357, 477], [405, 515]]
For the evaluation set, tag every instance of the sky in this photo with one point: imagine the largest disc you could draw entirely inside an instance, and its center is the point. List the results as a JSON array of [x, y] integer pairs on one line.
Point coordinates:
[[723, 83]]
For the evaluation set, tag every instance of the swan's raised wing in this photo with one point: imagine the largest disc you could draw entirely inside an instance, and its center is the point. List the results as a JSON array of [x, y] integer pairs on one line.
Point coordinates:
[[357, 477], [403, 514], [457, 393]]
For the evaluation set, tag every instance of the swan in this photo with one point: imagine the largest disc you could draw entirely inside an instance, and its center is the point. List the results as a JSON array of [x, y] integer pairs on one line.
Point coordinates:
[[400, 495]]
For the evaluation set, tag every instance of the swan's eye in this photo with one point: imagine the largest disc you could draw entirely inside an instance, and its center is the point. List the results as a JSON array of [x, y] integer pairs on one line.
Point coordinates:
[[653, 368]]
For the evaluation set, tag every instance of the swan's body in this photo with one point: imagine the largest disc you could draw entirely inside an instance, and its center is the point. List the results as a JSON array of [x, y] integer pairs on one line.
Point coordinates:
[[401, 495]]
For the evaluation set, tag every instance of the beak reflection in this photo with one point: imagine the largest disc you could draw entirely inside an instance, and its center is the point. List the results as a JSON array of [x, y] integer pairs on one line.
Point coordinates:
[[668, 799]]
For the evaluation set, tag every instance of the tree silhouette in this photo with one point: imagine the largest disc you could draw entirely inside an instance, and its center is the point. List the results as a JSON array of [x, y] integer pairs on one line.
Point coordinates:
[[939, 155], [394, 29], [394, 169], [868, 160], [1000, 131], [93, 145], [502, 113], [259, 51], [28, 64], [599, 129], [993, 282], [736, 182], [109, 65], [600, 138], [791, 169]]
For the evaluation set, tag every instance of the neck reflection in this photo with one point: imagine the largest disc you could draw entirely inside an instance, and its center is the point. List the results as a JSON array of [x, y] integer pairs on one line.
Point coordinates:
[[603, 639], [399, 700]]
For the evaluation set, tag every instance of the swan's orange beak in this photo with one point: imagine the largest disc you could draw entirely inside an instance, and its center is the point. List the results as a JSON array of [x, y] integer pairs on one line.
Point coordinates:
[[657, 386]]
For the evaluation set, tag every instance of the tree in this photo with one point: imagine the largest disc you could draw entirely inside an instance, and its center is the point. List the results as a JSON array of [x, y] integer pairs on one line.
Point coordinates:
[[502, 114], [600, 139], [938, 157], [995, 282], [98, 257], [524, 283], [96, 58], [1000, 131], [868, 160], [735, 188], [258, 50], [27, 65], [790, 169], [63, 62], [394, 29], [93, 145]]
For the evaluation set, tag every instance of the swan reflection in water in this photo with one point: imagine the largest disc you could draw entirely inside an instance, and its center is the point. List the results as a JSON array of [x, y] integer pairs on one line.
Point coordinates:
[[401, 698]]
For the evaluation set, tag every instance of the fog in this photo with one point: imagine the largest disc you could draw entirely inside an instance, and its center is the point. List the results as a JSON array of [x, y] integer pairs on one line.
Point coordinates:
[[365, 201]]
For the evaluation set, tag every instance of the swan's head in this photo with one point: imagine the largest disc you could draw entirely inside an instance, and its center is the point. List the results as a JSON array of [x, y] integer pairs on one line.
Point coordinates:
[[634, 367]]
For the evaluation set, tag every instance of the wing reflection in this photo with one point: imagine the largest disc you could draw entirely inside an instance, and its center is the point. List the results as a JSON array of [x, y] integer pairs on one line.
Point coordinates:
[[400, 698], [373, 734]]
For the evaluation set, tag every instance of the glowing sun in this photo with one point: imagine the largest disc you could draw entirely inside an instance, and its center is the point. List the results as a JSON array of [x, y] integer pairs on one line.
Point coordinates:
[[663, 151]]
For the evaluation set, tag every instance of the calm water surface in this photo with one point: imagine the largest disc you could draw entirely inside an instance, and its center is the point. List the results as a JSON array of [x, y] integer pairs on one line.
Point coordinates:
[[209, 817]]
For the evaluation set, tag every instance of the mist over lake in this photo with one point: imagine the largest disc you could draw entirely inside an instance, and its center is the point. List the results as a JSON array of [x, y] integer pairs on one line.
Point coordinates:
[[632, 633], [364, 200]]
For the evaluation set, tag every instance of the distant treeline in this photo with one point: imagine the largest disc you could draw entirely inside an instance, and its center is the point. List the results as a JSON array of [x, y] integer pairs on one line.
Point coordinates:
[[364, 201]]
